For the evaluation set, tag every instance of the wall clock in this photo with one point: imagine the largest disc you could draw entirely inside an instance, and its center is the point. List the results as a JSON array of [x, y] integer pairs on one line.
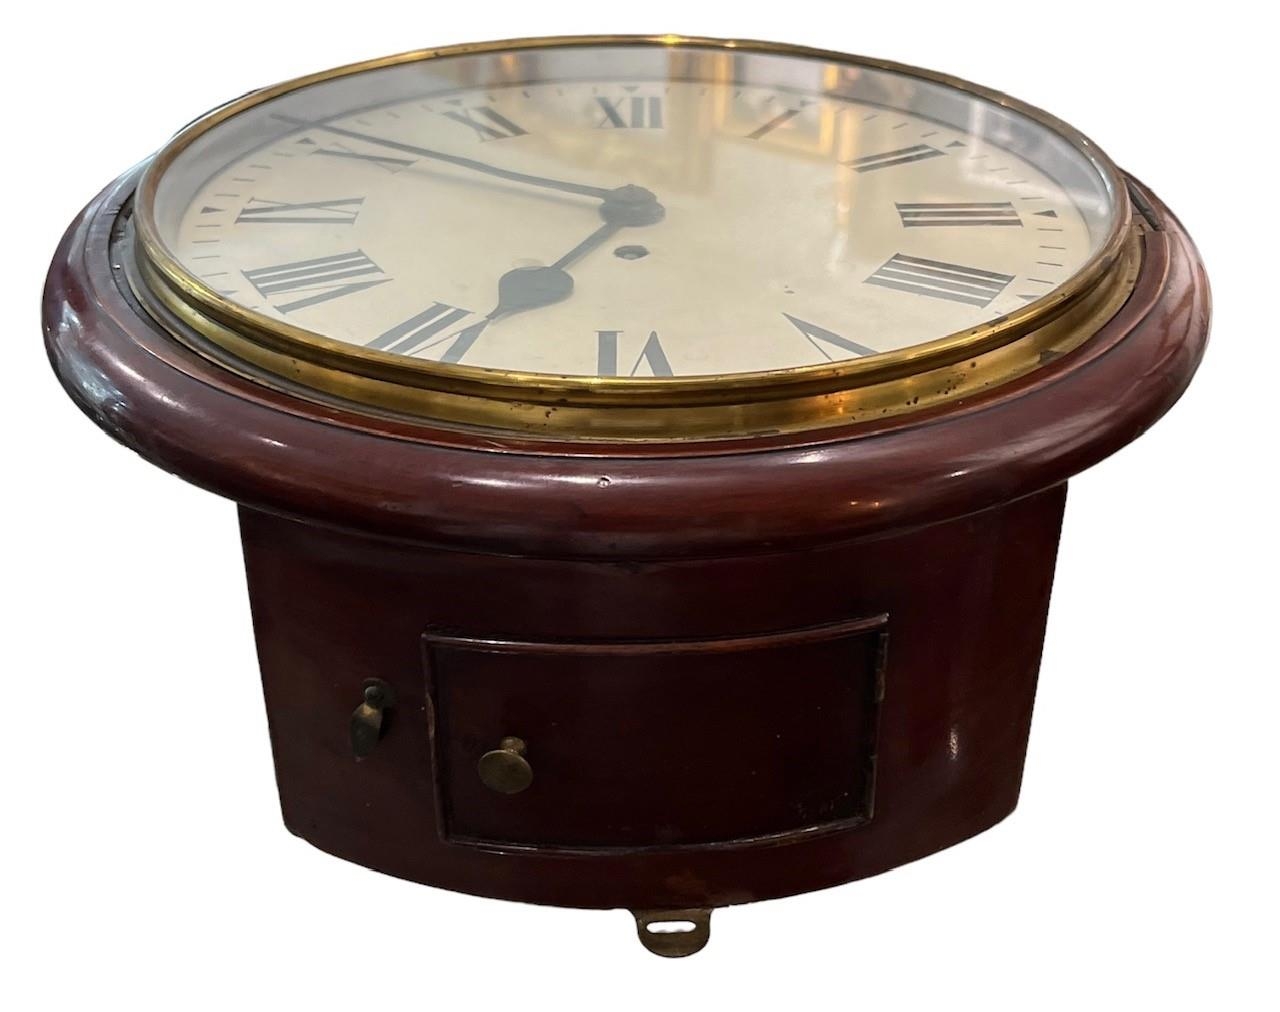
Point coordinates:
[[650, 452]]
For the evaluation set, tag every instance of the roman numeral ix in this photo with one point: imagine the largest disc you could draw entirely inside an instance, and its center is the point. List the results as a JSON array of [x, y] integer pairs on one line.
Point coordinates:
[[634, 112], [312, 212], [316, 280], [940, 280], [922, 215]]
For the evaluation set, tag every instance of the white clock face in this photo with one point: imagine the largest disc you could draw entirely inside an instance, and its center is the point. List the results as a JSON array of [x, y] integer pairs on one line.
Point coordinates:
[[632, 211]]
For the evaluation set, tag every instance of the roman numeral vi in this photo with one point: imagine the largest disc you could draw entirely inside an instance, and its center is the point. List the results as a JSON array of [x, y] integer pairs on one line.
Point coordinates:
[[652, 354]]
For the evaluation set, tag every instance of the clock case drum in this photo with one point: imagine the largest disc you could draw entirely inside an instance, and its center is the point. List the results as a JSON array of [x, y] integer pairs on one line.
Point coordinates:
[[667, 674]]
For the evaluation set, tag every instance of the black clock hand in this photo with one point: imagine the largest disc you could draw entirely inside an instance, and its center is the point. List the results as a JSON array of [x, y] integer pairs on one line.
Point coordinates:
[[601, 235], [599, 192], [533, 287]]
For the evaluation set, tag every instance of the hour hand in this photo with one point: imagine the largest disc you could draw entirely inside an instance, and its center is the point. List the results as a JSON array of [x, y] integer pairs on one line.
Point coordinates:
[[533, 287], [524, 288]]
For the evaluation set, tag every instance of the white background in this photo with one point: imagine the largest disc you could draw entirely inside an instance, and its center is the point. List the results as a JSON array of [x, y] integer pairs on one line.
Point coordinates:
[[144, 862]]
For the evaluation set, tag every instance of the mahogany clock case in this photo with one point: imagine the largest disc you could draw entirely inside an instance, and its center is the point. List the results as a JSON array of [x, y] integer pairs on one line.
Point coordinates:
[[736, 668], [740, 671]]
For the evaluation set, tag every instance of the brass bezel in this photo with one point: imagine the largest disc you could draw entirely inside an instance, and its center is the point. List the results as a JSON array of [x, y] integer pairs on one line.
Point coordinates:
[[704, 406]]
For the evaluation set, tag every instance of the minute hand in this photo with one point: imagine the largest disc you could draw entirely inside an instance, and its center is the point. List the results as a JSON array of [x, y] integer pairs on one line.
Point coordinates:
[[599, 192]]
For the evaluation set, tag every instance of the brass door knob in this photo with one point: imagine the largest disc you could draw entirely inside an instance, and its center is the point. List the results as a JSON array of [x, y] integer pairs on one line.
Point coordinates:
[[505, 769]]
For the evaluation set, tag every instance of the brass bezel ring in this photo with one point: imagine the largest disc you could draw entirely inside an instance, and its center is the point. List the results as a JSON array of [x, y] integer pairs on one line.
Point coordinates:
[[702, 406]]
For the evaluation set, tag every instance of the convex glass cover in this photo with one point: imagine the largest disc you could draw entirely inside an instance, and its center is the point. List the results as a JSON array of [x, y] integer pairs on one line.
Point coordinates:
[[623, 210]]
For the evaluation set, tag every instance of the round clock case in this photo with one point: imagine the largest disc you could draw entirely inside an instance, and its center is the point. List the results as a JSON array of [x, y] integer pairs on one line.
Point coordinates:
[[662, 647]]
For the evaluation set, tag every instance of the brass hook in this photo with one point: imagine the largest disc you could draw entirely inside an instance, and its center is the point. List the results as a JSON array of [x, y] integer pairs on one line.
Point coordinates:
[[674, 942]]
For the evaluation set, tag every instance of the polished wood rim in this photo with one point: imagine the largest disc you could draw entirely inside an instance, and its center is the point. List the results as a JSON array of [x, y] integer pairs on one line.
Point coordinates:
[[337, 464]]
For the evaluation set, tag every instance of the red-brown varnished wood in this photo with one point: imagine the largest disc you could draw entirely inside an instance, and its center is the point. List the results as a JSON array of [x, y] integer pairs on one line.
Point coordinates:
[[494, 492], [965, 603], [642, 615]]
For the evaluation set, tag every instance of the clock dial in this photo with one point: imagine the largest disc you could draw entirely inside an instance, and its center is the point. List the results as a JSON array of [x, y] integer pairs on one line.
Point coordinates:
[[632, 211]]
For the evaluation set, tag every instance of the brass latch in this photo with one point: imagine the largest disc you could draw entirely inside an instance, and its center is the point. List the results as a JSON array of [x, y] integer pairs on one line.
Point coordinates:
[[369, 719]]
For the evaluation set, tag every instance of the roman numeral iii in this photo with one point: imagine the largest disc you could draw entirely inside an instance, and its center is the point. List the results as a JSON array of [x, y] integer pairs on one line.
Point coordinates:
[[652, 354], [634, 112], [316, 280], [488, 123], [923, 215], [312, 212], [939, 280]]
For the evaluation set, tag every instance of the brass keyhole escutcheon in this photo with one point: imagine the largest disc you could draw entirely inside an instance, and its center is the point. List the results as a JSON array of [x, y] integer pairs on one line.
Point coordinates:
[[505, 769]]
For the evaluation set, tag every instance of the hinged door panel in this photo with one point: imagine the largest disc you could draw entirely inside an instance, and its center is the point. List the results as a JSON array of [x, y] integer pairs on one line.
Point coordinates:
[[625, 745]]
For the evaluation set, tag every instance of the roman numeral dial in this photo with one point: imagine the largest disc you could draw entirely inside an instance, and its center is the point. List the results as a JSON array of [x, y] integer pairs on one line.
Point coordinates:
[[624, 218]]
